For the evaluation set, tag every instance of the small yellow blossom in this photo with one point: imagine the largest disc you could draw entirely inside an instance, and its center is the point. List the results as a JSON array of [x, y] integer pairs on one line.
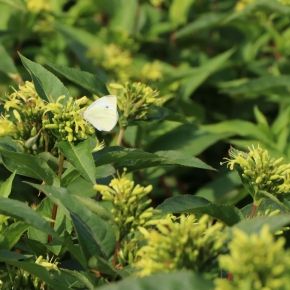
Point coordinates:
[[7, 128], [152, 71]]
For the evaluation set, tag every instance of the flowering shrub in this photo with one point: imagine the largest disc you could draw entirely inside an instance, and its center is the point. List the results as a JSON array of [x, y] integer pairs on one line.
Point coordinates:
[[144, 144]]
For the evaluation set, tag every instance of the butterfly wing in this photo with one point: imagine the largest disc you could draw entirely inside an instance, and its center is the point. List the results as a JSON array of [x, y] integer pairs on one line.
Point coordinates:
[[102, 113]]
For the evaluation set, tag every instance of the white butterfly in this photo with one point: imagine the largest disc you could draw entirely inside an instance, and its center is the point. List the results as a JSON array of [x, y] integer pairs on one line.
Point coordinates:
[[102, 113]]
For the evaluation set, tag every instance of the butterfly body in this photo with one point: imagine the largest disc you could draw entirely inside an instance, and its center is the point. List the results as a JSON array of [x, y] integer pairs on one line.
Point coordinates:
[[102, 113]]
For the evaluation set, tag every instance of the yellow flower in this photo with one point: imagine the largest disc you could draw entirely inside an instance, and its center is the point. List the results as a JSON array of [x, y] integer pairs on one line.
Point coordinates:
[[152, 71], [180, 243], [135, 100], [66, 121], [256, 262], [242, 4], [130, 203], [37, 6], [112, 58], [285, 2], [7, 128], [261, 171]]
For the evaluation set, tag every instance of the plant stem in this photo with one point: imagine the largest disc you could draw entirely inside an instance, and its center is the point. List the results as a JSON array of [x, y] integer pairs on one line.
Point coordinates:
[[116, 253], [54, 208], [45, 141], [253, 210], [121, 136]]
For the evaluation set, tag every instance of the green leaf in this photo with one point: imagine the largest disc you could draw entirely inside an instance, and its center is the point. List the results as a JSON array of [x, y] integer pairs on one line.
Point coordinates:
[[125, 16], [57, 279], [179, 10], [20, 210], [223, 189], [230, 215], [7, 256], [27, 165], [183, 280], [187, 139], [6, 186], [282, 120], [200, 74], [7, 65], [9, 144], [61, 224], [47, 85], [257, 87], [96, 236], [134, 159], [246, 129], [81, 158], [12, 234], [86, 80], [255, 224], [204, 21]]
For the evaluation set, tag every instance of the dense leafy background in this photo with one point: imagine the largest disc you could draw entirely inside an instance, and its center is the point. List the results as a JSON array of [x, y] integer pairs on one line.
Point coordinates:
[[226, 75]]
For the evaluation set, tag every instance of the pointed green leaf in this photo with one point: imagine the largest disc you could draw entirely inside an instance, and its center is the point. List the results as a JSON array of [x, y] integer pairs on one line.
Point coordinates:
[[134, 159], [255, 224], [84, 79], [6, 186], [81, 158], [199, 75], [27, 165], [21, 210], [96, 236], [11, 235], [47, 85]]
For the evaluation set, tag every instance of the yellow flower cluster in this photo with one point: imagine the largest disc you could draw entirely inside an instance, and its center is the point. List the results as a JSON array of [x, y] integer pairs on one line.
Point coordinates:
[[23, 110], [180, 243], [130, 203], [135, 100], [152, 71], [7, 128], [260, 170], [256, 262], [242, 4], [156, 3], [112, 58], [67, 121], [285, 2], [37, 6], [37, 125]]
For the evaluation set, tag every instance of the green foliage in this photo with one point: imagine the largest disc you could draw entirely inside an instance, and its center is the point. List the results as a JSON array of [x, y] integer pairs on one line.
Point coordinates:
[[84, 209]]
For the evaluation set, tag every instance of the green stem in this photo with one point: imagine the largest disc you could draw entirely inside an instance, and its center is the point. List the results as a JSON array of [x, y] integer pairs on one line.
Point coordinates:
[[54, 208], [253, 210], [121, 136]]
